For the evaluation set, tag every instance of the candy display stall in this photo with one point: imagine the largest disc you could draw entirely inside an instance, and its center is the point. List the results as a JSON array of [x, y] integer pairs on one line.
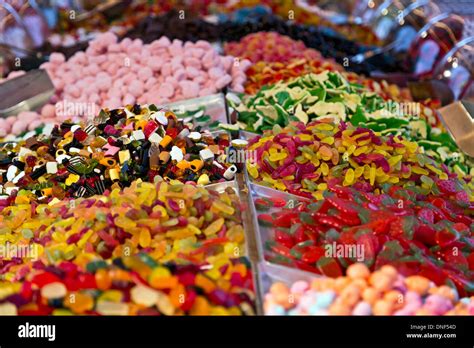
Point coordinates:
[[222, 159]]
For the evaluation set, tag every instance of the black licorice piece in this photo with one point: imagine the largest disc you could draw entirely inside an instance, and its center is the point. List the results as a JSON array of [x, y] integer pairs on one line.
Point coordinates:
[[99, 186], [37, 173], [136, 109], [91, 190], [80, 192], [19, 165]]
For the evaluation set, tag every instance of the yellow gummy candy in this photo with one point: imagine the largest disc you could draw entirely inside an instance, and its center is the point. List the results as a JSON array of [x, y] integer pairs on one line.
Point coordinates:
[[372, 175], [222, 207], [214, 227], [71, 179], [349, 178], [145, 238]]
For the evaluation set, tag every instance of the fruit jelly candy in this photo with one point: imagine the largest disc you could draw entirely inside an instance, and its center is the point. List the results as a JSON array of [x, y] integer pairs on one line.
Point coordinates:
[[199, 225], [392, 226], [368, 167]]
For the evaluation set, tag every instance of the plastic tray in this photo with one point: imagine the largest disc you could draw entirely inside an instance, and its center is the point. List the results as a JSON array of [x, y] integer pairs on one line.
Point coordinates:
[[270, 273], [213, 105], [221, 187], [264, 233], [249, 235], [246, 135]]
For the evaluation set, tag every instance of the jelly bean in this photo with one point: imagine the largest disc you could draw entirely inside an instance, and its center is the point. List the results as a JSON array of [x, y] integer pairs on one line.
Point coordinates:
[[135, 296]]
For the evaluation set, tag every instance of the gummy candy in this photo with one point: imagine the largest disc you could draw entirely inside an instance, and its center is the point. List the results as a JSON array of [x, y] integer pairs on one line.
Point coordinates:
[[358, 157], [418, 233]]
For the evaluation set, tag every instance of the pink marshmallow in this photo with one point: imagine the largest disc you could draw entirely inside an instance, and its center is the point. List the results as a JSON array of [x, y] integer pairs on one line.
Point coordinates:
[[125, 43], [205, 91], [94, 98], [175, 50], [197, 53], [104, 83], [19, 126], [215, 73], [113, 103], [72, 91], [34, 124], [166, 90], [128, 100], [205, 45], [228, 62], [4, 124], [57, 58], [136, 88], [189, 89], [162, 42], [200, 79], [15, 74], [137, 44], [155, 63], [166, 69], [238, 88], [145, 73], [48, 110], [191, 61], [223, 81], [11, 120], [192, 72], [180, 74], [173, 81], [150, 82]]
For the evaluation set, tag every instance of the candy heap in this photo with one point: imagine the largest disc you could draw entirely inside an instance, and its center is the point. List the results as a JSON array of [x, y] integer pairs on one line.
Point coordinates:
[[329, 95], [302, 159], [412, 229], [384, 292], [132, 286], [263, 73], [119, 146], [311, 96], [304, 13], [179, 223], [270, 47], [274, 67], [121, 73], [112, 74]]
